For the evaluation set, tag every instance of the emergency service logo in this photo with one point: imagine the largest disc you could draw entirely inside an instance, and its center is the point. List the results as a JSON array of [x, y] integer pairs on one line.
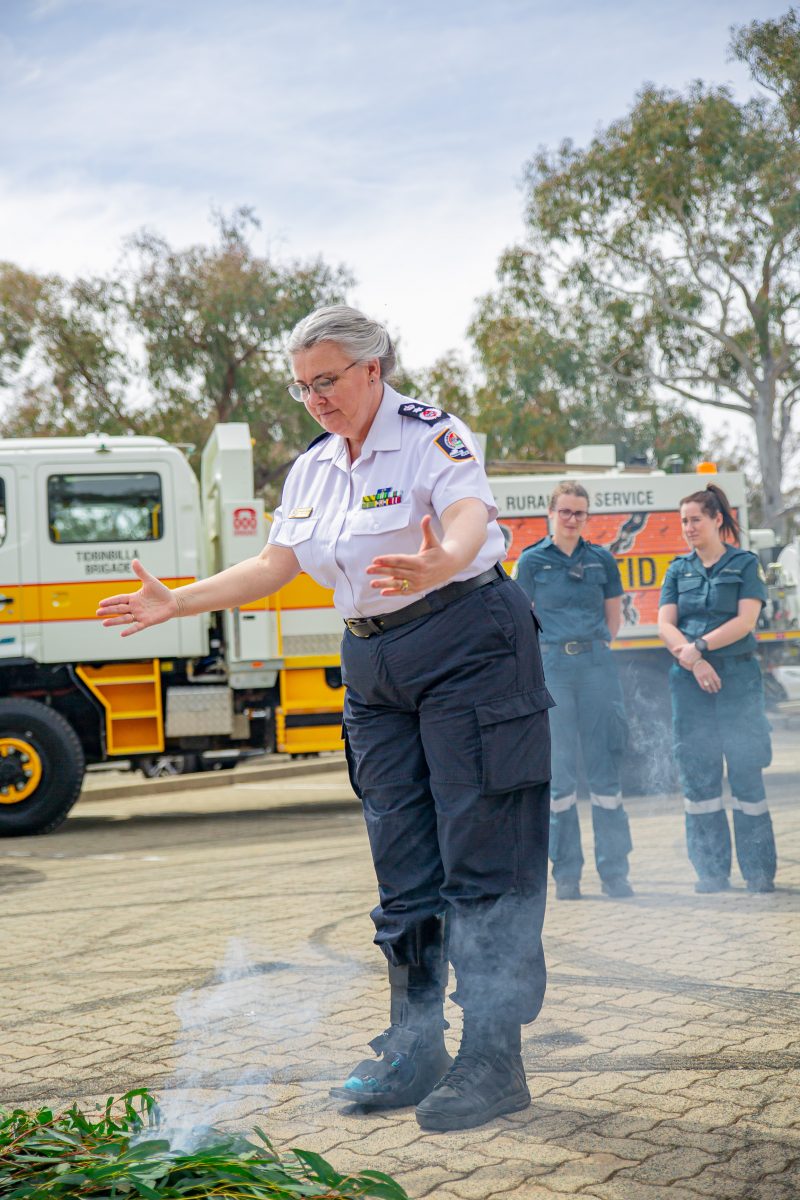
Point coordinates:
[[451, 444], [429, 415], [245, 522]]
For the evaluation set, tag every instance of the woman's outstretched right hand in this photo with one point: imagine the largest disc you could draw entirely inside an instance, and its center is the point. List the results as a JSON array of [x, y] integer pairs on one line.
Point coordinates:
[[151, 605]]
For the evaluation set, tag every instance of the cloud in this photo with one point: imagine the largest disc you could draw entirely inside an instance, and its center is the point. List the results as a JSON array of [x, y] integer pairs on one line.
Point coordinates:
[[388, 136]]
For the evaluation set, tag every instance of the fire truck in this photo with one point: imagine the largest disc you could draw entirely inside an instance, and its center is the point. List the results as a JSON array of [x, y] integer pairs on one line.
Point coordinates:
[[207, 690]]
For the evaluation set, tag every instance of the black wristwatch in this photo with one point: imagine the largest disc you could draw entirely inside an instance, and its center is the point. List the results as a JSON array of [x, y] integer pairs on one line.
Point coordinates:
[[701, 645]]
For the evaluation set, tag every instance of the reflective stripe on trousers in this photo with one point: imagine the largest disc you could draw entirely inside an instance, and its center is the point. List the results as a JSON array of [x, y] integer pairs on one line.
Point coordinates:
[[730, 727]]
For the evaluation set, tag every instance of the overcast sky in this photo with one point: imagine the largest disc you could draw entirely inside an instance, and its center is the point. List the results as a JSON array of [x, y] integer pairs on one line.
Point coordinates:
[[386, 135]]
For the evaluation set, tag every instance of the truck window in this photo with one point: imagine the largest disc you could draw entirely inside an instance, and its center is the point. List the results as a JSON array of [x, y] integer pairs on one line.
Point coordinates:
[[105, 508], [2, 510]]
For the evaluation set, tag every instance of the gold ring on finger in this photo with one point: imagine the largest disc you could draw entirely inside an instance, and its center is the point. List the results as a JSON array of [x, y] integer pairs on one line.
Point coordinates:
[[404, 585]]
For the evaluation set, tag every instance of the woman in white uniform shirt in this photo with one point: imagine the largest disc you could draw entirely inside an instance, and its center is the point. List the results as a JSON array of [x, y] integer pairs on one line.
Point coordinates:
[[445, 713]]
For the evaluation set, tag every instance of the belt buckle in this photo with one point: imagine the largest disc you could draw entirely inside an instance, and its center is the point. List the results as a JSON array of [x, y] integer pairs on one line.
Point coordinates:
[[363, 627], [574, 651]]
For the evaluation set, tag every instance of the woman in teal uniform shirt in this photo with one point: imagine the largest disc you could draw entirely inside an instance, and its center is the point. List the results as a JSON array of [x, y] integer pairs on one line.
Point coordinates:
[[710, 603], [577, 595]]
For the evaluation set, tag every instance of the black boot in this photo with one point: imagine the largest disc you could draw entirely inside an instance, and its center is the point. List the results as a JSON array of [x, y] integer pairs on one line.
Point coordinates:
[[486, 1080], [412, 1056]]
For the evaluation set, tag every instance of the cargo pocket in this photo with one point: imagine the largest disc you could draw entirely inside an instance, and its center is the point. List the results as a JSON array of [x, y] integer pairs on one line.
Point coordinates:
[[351, 762], [764, 743], [515, 740], [617, 728], [759, 736]]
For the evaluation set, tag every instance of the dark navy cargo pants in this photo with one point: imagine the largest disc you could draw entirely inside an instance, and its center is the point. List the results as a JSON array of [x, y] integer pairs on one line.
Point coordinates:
[[589, 711], [449, 748], [712, 728]]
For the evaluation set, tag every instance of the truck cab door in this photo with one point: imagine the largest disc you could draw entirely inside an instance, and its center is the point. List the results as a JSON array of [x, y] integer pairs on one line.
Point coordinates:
[[97, 512], [11, 592]]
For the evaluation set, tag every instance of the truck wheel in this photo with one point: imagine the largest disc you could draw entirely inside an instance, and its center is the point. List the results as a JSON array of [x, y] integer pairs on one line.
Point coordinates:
[[163, 766], [41, 768]]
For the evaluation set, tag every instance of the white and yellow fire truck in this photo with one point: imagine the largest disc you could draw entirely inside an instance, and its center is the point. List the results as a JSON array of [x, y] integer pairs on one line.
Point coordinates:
[[74, 512], [206, 690]]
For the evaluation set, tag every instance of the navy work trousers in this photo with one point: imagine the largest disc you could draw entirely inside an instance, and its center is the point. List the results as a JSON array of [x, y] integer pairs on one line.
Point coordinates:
[[449, 749], [589, 712], [710, 729]]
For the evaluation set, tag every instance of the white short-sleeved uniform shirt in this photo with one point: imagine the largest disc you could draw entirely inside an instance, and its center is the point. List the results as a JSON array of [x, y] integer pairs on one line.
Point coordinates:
[[338, 516]]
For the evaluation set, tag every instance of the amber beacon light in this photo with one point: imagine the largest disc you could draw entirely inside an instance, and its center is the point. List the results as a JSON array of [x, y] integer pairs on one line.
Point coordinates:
[[706, 468]]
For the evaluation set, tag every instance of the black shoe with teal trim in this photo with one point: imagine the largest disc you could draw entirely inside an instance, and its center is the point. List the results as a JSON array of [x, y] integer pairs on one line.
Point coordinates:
[[487, 1080], [410, 1064], [411, 1053]]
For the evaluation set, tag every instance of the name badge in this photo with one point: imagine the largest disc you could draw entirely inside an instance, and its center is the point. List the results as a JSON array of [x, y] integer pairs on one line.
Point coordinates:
[[299, 513]]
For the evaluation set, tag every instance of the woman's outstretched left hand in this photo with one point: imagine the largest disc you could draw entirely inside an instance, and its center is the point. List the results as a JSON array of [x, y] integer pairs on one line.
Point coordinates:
[[408, 574]]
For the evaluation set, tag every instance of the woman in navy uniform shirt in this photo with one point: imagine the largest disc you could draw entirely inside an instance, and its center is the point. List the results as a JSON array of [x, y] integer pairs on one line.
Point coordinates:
[[577, 594], [391, 509], [710, 603]]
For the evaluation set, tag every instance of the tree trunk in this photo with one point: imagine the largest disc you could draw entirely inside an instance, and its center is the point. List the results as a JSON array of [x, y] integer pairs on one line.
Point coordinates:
[[770, 459]]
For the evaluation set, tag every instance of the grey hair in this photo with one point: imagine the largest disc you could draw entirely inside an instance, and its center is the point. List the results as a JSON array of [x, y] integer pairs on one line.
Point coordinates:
[[357, 335]]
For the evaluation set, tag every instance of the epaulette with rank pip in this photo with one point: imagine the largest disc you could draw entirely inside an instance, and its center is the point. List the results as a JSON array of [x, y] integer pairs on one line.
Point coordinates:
[[423, 412]]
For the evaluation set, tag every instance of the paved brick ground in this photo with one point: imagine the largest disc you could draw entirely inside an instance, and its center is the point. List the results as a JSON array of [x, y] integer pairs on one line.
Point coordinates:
[[217, 948]]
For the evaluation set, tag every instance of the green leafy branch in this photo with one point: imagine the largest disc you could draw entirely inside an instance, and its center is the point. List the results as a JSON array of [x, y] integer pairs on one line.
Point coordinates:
[[120, 1156]]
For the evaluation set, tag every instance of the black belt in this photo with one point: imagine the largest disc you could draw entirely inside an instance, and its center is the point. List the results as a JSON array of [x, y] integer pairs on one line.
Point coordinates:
[[365, 627], [576, 647]]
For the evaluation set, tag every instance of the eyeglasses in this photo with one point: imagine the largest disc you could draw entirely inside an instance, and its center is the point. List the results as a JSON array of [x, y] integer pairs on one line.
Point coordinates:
[[323, 385], [569, 514]]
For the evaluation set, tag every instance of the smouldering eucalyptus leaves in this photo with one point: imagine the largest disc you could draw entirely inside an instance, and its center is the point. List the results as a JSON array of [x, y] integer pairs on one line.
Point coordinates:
[[120, 1156]]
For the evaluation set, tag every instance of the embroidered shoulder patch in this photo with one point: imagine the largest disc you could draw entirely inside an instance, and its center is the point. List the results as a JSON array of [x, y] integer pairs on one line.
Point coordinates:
[[451, 444], [431, 416]]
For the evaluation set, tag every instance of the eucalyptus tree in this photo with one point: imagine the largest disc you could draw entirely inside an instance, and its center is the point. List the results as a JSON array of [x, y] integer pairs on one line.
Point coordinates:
[[663, 260], [213, 320], [63, 367], [169, 343]]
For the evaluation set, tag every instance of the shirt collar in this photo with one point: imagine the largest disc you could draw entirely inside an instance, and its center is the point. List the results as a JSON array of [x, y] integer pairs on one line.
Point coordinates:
[[709, 571], [550, 544], [385, 432], [328, 447]]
